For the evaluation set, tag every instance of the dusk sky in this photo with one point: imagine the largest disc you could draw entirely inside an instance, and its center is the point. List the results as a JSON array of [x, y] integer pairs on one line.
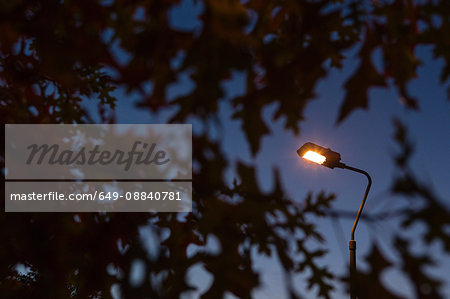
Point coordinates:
[[364, 140]]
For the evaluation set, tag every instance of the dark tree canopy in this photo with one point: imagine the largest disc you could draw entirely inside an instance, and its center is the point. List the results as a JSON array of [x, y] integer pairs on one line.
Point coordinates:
[[56, 54]]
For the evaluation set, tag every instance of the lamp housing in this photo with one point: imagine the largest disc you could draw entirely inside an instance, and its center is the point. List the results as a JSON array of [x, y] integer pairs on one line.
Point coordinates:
[[320, 155]]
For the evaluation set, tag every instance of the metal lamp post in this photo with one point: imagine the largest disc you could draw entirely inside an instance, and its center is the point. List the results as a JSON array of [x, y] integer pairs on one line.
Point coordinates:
[[326, 157]]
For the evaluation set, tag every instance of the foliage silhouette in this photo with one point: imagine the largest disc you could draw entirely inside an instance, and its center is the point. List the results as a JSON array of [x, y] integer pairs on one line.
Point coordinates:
[[56, 54]]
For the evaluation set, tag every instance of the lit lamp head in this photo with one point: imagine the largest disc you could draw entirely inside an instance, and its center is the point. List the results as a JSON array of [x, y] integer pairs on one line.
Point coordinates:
[[320, 155]]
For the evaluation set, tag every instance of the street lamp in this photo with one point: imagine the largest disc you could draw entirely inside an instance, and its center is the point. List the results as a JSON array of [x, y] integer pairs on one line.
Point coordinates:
[[326, 157]]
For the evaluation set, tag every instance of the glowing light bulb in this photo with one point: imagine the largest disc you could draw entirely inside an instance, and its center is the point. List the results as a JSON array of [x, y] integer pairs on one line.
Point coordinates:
[[314, 157]]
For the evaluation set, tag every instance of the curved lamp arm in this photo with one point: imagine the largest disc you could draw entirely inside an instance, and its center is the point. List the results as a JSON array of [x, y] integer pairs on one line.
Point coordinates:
[[358, 215], [352, 243]]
